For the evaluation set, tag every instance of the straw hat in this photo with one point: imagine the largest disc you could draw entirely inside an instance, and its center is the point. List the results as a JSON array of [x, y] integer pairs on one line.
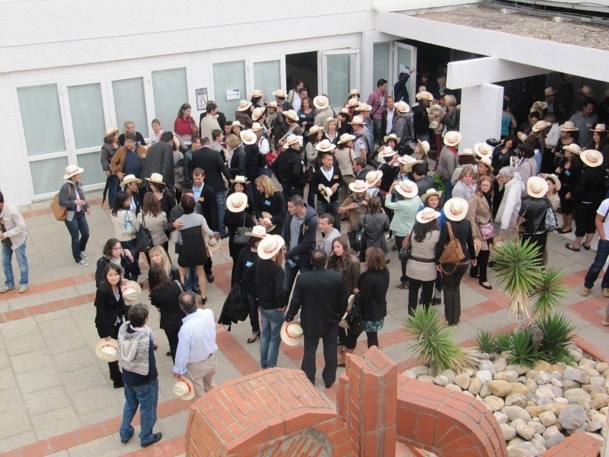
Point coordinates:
[[599, 128], [540, 125], [537, 187], [373, 177], [129, 179], [522, 136], [257, 93], [237, 124], [326, 192], [72, 170], [467, 152], [572, 148], [592, 158], [110, 131], [483, 150], [568, 126], [427, 215], [248, 137], [456, 209], [429, 193], [345, 138], [270, 246], [292, 139], [353, 92], [402, 107], [315, 129], [425, 146], [291, 115], [258, 231], [408, 162], [236, 202], [357, 120], [344, 111], [554, 179], [352, 102], [272, 104], [386, 151], [391, 136], [212, 243], [291, 333], [256, 127], [452, 138], [267, 218], [156, 178], [424, 95], [244, 105], [586, 91], [436, 126], [363, 107], [184, 388], [279, 93], [321, 102], [325, 146], [358, 186], [436, 110], [407, 189], [549, 91], [239, 179], [258, 112], [107, 350], [131, 291], [486, 161]]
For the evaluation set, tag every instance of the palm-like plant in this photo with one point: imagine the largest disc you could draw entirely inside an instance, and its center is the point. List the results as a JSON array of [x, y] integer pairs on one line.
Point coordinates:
[[549, 291]]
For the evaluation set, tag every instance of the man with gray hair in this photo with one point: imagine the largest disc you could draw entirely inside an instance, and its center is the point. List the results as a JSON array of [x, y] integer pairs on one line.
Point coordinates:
[[196, 353], [507, 214]]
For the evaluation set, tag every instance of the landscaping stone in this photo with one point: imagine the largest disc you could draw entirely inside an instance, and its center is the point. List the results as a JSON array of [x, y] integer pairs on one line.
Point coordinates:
[[484, 376], [440, 380], [516, 412], [517, 368], [487, 365], [599, 401], [520, 388], [499, 388], [589, 371], [538, 427], [551, 431], [579, 397], [420, 370], [516, 399], [588, 363], [450, 374], [525, 432], [542, 365], [572, 417], [524, 449], [494, 403], [484, 390], [426, 378], [534, 410], [577, 356], [508, 432], [553, 440], [570, 384], [574, 374], [547, 418], [409, 374], [453, 387], [597, 381], [510, 376], [501, 363], [500, 417], [462, 380], [556, 382], [475, 385], [544, 392], [601, 367]]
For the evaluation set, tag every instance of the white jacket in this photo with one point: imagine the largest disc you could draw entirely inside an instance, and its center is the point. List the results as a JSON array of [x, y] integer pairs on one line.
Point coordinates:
[[14, 224], [507, 214]]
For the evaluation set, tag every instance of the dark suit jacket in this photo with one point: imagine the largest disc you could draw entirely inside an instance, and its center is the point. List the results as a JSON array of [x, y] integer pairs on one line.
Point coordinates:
[[319, 178], [166, 299], [108, 309], [159, 159], [211, 161], [209, 207], [322, 294]]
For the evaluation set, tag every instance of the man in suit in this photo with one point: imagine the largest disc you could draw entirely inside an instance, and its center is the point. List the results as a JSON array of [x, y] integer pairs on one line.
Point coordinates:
[[159, 159], [387, 117], [211, 161], [322, 294], [330, 177]]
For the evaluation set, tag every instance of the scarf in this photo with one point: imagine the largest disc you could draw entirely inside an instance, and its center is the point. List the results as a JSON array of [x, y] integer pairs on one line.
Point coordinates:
[[133, 349]]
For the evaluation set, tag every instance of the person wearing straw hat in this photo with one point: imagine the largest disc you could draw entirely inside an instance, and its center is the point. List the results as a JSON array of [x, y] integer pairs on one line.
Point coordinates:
[[239, 215], [599, 141], [588, 194], [269, 279], [252, 154], [313, 137], [72, 197], [553, 189], [344, 156], [365, 110], [602, 253], [196, 355], [289, 168], [136, 355], [280, 98], [456, 225], [288, 125], [403, 128], [568, 171], [110, 308], [159, 160], [533, 215], [420, 115], [585, 119], [355, 204], [326, 182], [324, 110], [243, 113], [362, 146], [270, 206], [321, 297], [448, 160]]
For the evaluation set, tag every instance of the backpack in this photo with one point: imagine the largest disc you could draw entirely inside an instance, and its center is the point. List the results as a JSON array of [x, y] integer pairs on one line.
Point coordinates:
[[407, 143], [60, 212]]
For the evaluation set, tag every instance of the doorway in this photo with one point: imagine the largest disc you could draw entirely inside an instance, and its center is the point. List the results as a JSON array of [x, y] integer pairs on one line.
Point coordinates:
[[303, 67]]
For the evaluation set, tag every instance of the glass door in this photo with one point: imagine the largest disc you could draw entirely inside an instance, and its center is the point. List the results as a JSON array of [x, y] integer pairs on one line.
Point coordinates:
[[267, 76], [340, 74], [406, 55]]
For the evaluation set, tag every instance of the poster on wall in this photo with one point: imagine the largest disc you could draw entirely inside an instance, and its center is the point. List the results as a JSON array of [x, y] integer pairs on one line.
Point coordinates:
[[201, 95], [233, 94]]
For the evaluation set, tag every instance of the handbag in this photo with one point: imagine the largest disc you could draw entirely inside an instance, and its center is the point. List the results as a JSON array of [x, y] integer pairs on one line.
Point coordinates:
[[452, 252], [240, 236], [355, 318], [404, 253], [487, 230], [551, 221], [357, 240], [143, 238]]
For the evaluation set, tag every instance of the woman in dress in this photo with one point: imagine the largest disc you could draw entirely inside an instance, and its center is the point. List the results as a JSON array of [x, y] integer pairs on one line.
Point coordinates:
[[185, 127], [421, 268], [375, 224], [270, 206], [193, 252], [126, 225], [480, 214], [568, 171], [109, 311], [306, 114], [154, 219], [239, 214], [165, 296], [158, 256], [113, 252]]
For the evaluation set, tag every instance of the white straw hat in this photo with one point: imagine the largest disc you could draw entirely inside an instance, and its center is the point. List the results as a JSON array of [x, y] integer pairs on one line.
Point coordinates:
[[248, 137], [373, 177], [326, 192], [427, 215], [270, 246], [72, 170], [483, 150], [156, 178], [184, 388], [537, 187], [244, 105], [359, 185], [321, 102], [325, 146], [407, 189], [452, 138], [236, 202], [592, 158], [131, 291], [291, 333], [107, 350], [456, 209], [258, 231]]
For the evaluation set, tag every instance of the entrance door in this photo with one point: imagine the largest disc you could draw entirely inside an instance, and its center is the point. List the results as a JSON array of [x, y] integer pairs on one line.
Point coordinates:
[[404, 54], [340, 74], [302, 67]]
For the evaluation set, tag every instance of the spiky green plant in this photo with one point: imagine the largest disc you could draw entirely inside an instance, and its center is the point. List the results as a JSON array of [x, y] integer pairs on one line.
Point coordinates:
[[433, 342], [522, 350], [503, 342], [548, 293], [486, 342], [557, 335]]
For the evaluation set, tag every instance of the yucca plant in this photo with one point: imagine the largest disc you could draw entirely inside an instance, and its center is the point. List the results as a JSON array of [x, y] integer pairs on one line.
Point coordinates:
[[503, 342], [486, 342], [547, 295], [433, 342], [522, 349], [557, 335]]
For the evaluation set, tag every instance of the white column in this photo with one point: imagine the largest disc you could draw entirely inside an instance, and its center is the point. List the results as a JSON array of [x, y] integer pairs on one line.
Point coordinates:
[[480, 113]]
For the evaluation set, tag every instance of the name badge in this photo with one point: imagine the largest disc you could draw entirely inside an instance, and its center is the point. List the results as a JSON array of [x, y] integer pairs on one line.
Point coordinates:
[[267, 202], [201, 199], [335, 177], [248, 264]]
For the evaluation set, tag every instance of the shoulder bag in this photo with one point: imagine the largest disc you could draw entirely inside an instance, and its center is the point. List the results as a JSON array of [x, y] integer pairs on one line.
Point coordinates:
[[404, 253], [487, 230], [551, 221], [357, 241], [240, 236], [452, 252], [143, 238], [355, 318]]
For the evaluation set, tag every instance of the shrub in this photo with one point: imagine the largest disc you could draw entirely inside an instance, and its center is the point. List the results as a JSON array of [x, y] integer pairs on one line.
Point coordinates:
[[486, 342], [556, 330], [503, 342], [548, 293], [522, 350]]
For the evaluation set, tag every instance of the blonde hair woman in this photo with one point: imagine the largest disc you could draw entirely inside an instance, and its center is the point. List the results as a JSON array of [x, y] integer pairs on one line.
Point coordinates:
[[129, 127], [158, 256], [270, 205], [451, 118]]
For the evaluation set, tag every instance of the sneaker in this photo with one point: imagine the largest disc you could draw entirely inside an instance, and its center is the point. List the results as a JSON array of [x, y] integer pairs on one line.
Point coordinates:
[[5, 289], [585, 291], [23, 288], [606, 292], [83, 263], [84, 256]]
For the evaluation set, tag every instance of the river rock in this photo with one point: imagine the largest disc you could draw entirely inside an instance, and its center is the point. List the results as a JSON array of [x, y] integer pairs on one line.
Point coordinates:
[[542, 365], [553, 440], [601, 367], [501, 363], [547, 418], [520, 388], [426, 378], [517, 368], [525, 449], [589, 371], [516, 399], [594, 425], [559, 368], [593, 389], [525, 431], [599, 401], [450, 374], [494, 403], [579, 397], [499, 388], [508, 432], [568, 384], [462, 380], [487, 365], [551, 431], [500, 417], [409, 374], [509, 376], [465, 392], [545, 392], [556, 382], [440, 380], [535, 410], [538, 427], [474, 386], [577, 356], [484, 376], [597, 381], [484, 390], [515, 441], [571, 417], [588, 363], [453, 387], [516, 412], [420, 370], [574, 374]]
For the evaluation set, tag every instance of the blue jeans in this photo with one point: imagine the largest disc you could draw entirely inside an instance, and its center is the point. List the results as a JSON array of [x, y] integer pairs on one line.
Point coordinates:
[[113, 186], [270, 337], [290, 275], [602, 252], [191, 280], [448, 189], [7, 256], [221, 202], [145, 397], [78, 224]]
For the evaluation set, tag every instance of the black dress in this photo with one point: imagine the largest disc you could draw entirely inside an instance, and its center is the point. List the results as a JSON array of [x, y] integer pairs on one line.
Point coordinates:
[[192, 252]]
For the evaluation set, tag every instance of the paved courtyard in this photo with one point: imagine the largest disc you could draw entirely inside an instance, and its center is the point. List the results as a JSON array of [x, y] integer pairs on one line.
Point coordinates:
[[56, 397]]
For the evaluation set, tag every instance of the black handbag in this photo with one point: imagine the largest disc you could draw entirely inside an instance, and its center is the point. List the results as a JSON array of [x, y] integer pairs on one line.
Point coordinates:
[[240, 236], [357, 240], [143, 238], [355, 318], [404, 253]]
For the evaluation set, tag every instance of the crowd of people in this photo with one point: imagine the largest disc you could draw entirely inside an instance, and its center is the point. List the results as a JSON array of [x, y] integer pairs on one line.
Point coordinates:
[[394, 174]]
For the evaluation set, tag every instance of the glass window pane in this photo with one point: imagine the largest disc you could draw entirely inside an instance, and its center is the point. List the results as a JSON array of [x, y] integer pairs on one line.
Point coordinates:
[[47, 175], [93, 173], [170, 92], [267, 77], [87, 115], [381, 63], [130, 105], [229, 76], [41, 118], [340, 77]]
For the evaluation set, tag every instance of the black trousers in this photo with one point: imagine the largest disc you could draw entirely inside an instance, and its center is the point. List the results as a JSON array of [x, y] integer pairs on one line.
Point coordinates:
[[329, 339], [172, 338], [413, 293], [452, 294]]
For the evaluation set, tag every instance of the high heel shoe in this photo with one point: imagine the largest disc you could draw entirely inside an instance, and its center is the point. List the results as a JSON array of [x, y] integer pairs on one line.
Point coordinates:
[[253, 339], [486, 286]]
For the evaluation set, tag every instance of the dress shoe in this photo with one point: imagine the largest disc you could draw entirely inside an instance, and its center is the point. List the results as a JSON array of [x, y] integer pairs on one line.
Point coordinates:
[[155, 439], [210, 278]]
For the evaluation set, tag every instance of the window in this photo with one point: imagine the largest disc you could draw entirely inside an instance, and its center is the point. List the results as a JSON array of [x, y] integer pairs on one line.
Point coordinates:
[[170, 92], [229, 76], [340, 74], [87, 115], [267, 77], [381, 63], [130, 104], [47, 175]]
